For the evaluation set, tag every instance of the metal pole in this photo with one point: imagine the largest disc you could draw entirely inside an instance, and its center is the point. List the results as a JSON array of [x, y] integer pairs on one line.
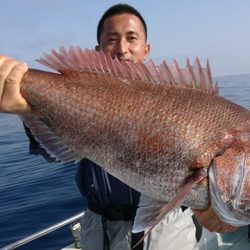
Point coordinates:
[[43, 232]]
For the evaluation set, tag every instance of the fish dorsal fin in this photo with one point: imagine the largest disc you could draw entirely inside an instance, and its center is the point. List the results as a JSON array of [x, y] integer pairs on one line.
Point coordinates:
[[150, 212], [83, 60], [53, 145]]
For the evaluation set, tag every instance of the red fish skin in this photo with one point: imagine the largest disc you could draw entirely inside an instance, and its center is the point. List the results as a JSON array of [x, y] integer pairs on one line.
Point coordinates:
[[148, 135]]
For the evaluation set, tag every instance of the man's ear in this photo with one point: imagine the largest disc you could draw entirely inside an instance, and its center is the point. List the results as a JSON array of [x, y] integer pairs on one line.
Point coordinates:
[[147, 50], [97, 48]]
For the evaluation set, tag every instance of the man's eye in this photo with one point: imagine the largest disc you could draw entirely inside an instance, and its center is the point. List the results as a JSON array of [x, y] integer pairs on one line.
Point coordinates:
[[112, 39], [132, 38]]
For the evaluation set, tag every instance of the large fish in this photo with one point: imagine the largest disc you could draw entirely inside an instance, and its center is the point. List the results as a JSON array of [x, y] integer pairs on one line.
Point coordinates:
[[154, 128]]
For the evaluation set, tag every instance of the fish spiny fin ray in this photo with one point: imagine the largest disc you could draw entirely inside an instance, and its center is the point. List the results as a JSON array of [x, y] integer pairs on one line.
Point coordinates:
[[83, 60], [151, 212], [53, 145]]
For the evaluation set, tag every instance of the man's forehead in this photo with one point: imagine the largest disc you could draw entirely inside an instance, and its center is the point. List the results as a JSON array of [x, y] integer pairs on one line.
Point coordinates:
[[122, 22]]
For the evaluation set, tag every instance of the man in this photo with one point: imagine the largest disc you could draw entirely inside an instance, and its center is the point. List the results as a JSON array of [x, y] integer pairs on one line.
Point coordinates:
[[112, 205]]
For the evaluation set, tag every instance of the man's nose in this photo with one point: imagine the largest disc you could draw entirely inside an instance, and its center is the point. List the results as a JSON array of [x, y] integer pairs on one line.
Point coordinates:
[[122, 46]]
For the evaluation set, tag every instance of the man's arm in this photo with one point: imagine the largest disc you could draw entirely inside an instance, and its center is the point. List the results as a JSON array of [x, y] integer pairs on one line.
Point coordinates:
[[209, 220], [11, 100]]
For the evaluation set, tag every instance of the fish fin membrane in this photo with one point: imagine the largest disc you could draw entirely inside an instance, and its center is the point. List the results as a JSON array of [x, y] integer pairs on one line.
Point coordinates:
[[76, 59], [150, 212], [147, 213], [53, 145]]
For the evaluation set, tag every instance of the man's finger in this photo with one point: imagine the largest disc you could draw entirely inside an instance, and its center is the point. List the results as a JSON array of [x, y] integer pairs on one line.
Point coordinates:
[[6, 65], [209, 220], [12, 85]]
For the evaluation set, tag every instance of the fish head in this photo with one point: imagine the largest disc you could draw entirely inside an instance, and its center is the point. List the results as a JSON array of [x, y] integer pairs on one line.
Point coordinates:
[[229, 182]]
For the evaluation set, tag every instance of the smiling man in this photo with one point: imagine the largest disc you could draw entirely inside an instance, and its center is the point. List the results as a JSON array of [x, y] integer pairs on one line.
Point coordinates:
[[124, 36]]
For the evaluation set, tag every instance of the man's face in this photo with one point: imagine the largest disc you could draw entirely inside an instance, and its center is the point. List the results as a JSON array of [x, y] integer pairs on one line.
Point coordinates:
[[123, 36]]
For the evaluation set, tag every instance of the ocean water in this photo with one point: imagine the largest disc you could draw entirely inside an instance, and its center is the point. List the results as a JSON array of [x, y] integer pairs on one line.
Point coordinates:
[[35, 194]]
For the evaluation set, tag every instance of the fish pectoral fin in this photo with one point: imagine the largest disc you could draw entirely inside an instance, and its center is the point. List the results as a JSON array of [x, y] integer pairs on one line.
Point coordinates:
[[53, 145], [147, 213], [150, 212]]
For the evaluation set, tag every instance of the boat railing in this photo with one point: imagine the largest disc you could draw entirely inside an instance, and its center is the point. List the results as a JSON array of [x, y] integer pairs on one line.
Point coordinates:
[[43, 232]]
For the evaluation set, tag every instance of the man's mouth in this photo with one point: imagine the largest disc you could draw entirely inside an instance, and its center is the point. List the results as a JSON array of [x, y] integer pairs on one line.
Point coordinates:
[[126, 59]]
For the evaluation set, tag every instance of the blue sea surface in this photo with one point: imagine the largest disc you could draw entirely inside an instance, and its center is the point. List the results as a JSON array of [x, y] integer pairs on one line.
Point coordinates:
[[35, 194]]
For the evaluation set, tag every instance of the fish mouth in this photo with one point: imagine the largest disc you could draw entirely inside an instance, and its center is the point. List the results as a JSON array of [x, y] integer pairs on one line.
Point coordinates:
[[232, 205]]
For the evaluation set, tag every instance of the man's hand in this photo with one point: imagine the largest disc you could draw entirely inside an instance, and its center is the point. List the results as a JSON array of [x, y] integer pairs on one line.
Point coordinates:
[[11, 100], [209, 220]]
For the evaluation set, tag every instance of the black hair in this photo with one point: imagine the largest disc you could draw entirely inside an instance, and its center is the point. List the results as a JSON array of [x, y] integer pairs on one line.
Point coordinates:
[[119, 9]]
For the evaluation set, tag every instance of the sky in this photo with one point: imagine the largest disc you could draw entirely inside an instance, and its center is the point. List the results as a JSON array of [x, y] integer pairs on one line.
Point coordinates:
[[217, 30]]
